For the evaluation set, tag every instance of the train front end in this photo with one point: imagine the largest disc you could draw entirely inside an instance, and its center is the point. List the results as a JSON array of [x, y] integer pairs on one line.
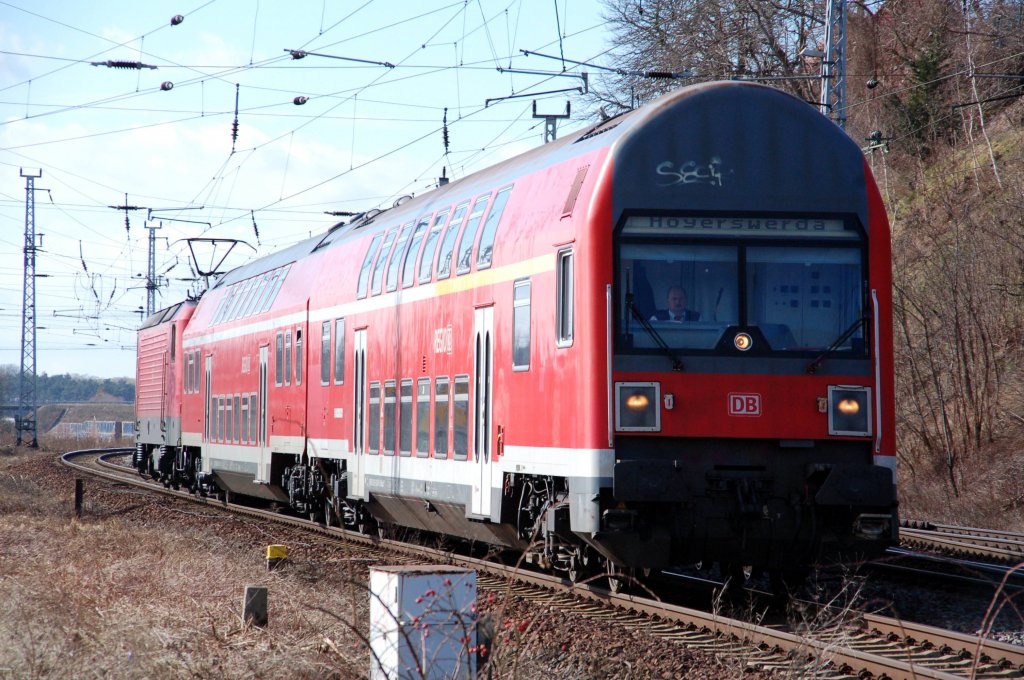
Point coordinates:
[[750, 371]]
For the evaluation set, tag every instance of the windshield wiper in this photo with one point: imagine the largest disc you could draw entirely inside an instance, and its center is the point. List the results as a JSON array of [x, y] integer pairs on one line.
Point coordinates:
[[813, 367], [677, 363]]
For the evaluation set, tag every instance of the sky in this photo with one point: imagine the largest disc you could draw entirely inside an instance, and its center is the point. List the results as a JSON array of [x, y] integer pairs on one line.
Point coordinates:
[[103, 133]]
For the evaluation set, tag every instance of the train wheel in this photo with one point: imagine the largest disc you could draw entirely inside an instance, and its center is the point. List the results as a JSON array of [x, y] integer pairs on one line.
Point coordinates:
[[619, 578], [367, 525], [330, 517], [580, 565]]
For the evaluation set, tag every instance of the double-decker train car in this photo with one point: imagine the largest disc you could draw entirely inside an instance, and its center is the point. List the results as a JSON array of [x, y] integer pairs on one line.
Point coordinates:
[[662, 340]]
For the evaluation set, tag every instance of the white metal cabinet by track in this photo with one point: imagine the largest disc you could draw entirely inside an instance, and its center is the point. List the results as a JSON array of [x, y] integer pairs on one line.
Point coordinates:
[[422, 622]]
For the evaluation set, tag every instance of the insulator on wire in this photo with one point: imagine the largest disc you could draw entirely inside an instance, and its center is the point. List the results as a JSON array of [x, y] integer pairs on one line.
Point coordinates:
[[444, 130], [176, 19], [255, 229], [116, 63], [298, 54], [167, 86], [234, 125], [300, 100]]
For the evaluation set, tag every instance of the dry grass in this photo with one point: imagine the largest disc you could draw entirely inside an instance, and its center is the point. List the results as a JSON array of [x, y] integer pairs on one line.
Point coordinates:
[[119, 598]]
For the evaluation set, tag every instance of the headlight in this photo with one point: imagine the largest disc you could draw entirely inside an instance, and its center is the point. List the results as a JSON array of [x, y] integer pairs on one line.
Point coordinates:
[[849, 411], [637, 407]]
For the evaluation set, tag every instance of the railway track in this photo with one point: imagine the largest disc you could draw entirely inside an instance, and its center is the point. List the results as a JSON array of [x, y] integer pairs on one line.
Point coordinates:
[[1003, 546], [852, 645]]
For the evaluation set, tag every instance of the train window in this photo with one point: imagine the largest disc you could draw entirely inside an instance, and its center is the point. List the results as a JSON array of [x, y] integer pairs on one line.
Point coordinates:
[[174, 343], [278, 282], [288, 357], [238, 414], [243, 298], [188, 373], [423, 417], [409, 266], [427, 258], [397, 255], [263, 304], [259, 285], [251, 287], [298, 356], [373, 445], [266, 287], [796, 295], [490, 230], [325, 352], [390, 406], [228, 420], [405, 418], [245, 419], [215, 319], [225, 434], [364, 271], [232, 305], [253, 417], [275, 279], [229, 301], [521, 325], [444, 255], [806, 298], [441, 396], [378, 268], [220, 419], [564, 298], [279, 360], [339, 351], [460, 418], [468, 238]]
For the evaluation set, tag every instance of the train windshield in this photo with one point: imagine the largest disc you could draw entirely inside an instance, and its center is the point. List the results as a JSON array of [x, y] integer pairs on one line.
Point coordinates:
[[800, 289]]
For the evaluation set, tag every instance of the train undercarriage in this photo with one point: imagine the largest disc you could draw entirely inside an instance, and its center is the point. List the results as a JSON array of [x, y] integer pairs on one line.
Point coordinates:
[[760, 510]]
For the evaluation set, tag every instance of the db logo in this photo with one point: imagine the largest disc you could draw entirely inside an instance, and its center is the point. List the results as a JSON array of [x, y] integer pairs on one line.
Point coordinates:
[[744, 404]]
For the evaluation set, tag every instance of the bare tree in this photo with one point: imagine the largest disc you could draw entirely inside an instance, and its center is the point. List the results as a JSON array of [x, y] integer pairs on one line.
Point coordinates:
[[709, 40]]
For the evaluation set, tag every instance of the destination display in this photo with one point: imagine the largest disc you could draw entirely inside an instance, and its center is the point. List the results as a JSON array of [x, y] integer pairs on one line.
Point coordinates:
[[745, 227]]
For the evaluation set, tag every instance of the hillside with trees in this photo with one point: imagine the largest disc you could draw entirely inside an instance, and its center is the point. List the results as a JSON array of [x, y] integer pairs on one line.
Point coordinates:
[[66, 388], [934, 96]]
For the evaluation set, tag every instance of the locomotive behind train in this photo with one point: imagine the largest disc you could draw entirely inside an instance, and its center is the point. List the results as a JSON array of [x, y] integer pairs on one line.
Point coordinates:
[[495, 359]]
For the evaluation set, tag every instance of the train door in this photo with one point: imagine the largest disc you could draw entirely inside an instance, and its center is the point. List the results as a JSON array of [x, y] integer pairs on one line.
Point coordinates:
[[207, 404], [483, 367], [262, 443], [355, 480]]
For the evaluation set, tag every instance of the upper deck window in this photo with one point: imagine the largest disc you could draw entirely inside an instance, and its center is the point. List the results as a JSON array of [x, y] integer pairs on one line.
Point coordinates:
[[397, 256], [409, 266], [364, 271], [427, 259], [445, 253], [796, 285], [378, 268], [468, 238], [490, 230]]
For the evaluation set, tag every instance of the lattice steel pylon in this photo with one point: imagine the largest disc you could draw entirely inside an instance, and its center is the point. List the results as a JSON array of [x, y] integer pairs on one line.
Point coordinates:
[[151, 281], [26, 420], [833, 65]]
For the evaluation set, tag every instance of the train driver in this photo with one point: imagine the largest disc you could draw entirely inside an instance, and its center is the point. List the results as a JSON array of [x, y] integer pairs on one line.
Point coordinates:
[[676, 307]]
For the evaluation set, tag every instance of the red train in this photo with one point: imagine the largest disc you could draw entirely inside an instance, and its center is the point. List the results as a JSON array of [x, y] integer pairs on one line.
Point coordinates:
[[664, 339]]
